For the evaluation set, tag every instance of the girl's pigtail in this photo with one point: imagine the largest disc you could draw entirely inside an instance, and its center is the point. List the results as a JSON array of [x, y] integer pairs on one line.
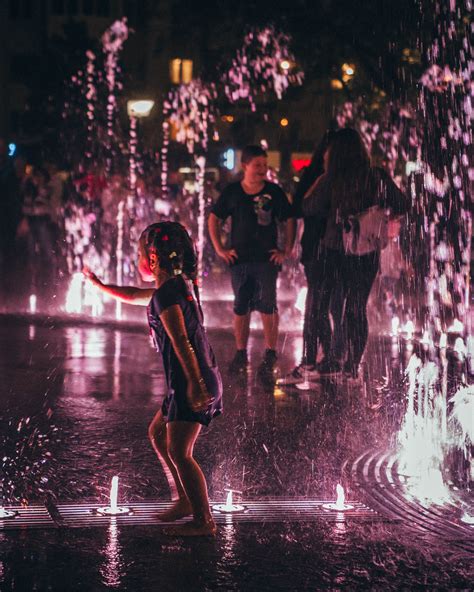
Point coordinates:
[[197, 295]]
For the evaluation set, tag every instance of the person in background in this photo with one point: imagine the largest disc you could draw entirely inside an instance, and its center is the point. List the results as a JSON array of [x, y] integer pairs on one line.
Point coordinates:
[[10, 216], [36, 228], [254, 206], [349, 187], [317, 330]]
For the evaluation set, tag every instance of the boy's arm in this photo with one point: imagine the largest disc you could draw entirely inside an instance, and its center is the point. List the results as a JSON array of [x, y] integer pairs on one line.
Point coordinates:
[[214, 224], [290, 235], [128, 294], [289, 229]]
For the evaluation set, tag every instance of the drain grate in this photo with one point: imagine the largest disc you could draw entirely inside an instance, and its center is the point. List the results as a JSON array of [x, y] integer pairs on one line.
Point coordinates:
[[377, 476], [144, 514]]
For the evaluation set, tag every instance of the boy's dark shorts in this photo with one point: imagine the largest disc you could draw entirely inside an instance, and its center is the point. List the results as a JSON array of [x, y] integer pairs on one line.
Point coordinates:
[[254, 286]]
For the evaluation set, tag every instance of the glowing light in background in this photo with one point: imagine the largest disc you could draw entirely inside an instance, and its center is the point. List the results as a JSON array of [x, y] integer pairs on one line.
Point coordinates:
[[348, 71], [93, 299], [409, 329], [140, 108], [395, 325], [229, 159], [11, 149], [300, 303], [74, 294]]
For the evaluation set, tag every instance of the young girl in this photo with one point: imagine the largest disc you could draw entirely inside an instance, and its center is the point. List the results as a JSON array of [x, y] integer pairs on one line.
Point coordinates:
[[167, 257]]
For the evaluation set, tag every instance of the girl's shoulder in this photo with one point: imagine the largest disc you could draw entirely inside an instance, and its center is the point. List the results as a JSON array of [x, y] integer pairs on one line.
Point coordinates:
[[171, 292]]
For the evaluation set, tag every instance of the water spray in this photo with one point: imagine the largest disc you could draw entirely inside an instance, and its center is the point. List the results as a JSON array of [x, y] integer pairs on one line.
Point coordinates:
[[114, 509]]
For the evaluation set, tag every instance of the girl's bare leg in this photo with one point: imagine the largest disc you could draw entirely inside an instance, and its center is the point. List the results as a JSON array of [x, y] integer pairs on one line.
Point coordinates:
[[158, 437], [182, 436]]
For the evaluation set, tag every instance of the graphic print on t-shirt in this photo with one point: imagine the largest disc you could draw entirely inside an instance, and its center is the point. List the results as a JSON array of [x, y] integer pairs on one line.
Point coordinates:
[[263, 208], [254, 217]]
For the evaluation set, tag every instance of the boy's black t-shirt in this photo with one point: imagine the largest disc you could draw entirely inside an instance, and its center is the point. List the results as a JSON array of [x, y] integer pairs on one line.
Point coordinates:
[[254, 229]]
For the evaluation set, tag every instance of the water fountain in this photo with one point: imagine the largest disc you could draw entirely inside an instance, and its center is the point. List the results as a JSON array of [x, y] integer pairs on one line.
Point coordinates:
[[33, 303], [340, 504], [229, 507], [7, 514], [114, 509]]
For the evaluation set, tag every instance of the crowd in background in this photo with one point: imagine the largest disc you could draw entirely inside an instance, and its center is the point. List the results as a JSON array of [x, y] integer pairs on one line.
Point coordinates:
[[52, 215]]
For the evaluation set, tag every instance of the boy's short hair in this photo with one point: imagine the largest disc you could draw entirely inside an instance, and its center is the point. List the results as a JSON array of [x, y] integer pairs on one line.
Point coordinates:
[[251, 151]]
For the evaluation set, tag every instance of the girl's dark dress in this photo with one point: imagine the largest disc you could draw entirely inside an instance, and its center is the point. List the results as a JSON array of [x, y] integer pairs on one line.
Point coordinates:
[[175, 406]]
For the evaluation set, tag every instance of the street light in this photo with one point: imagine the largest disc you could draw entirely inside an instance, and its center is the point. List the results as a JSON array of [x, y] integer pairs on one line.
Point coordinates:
[[141, 108]]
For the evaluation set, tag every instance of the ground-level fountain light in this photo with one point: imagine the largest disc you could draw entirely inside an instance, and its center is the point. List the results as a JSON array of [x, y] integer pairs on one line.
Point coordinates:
[[306, 385], [7, 514], [340, 504], [229, 507], [114, 509], [33, 302]]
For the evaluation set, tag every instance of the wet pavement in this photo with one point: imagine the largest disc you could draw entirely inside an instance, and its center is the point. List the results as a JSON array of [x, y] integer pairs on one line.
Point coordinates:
[[75, 405]]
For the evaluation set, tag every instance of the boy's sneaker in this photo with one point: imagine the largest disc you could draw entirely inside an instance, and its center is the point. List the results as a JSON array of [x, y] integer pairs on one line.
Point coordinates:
[[269, 360], [298, 375], [328, 368], [267, 366], [239, 362]]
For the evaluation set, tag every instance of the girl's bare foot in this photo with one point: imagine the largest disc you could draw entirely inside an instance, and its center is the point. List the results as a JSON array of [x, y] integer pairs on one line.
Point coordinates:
[[180, 509], [193, 528]]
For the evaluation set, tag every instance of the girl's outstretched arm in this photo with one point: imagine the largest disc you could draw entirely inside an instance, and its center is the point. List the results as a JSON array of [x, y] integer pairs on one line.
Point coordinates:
[[173, 322], [128, 294]]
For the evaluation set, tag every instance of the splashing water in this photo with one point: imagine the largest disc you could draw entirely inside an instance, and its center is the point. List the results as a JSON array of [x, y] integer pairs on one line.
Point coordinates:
[[6, 514], [113, 40], [341, 498], [229, 506], [257, 67], [74, 295], [114, 509], [114, 494], [340, 503], [33, 303]]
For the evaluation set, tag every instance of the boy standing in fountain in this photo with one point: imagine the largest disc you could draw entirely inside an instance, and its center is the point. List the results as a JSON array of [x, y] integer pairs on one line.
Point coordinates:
[[254, 206], [194, 395]]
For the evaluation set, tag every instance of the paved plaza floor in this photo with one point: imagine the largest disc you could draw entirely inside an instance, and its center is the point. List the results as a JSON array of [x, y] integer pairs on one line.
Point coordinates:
[[76, 400]]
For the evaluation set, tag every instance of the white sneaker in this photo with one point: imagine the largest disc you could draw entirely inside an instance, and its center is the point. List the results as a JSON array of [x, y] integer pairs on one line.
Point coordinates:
[[299, 374]]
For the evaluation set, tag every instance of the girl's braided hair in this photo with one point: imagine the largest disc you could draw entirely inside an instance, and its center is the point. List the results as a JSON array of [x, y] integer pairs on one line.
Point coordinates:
[[175, 250]]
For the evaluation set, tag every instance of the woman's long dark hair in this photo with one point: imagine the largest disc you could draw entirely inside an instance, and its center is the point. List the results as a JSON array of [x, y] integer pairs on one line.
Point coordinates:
[[315, 168], [347, 171], [175, 250]]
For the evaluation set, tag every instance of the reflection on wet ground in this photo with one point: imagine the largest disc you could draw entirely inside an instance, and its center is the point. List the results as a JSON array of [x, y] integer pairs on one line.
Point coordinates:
[[75, 405]]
